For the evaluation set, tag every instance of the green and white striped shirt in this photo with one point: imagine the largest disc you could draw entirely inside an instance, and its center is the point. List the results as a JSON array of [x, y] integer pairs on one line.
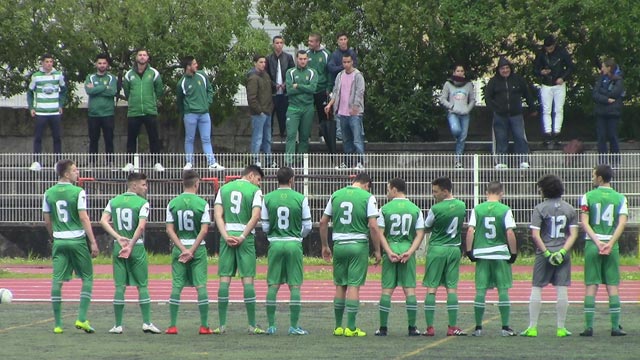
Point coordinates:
[[47, 92]]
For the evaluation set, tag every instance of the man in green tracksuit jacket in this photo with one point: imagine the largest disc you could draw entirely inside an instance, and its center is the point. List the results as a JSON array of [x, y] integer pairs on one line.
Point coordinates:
[[318, 61], [142, 87], [301, 85], [101, 88]]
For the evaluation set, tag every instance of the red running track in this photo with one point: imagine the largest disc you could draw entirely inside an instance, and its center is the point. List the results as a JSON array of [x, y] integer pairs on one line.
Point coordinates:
[[312, 290]]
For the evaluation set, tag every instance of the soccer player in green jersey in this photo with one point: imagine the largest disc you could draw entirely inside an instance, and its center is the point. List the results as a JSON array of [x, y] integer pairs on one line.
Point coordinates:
[[354, 212], [64, 208], [491, 243], [286, 219], [603, 216], [444, 221], [402, 224], [188, 221], [130, 212], [554, 229], [237, 211]]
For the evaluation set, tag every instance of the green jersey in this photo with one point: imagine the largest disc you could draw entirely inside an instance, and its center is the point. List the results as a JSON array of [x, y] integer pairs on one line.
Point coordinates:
[[445, 220], [318, 60], [62, 202], [350, 208], [604, 206], [189, 211], [126, 210], [285, 215], [102, 94], [301, 97], [491, 219], [238, 199], [400, 219], [194, 93], [47, 92]]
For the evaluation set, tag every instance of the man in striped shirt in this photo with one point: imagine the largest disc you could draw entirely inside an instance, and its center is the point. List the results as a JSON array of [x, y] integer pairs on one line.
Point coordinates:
[[46, 95]]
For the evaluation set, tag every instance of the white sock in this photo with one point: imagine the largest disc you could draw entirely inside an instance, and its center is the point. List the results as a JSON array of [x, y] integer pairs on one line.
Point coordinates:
[[535, 303], [562, 305]]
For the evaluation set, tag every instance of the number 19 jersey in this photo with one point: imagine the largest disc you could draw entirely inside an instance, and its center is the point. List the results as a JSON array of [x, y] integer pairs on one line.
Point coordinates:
[[400, 218], [445, 219], [604, 206], [187, 212], [350, 209], [126, 210]]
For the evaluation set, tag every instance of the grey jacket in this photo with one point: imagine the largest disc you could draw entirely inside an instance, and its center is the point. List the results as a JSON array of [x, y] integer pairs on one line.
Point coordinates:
[[458, 97], [356, 95]]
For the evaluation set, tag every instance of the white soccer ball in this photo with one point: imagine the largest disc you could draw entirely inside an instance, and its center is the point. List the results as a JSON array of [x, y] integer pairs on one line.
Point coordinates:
[[5, 296]]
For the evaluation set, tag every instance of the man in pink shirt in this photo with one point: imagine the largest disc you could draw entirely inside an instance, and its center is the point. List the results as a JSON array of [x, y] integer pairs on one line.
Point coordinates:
[[347, 101]]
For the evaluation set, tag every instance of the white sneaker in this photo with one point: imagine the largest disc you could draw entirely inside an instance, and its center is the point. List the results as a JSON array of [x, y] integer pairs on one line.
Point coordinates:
[[158, 167], [35, 166], [258, 164], [524, 165], [359, 166], [150, 329], [274, 165], [187, 166], [128, 168], [116, 330], [216, 166], [501, 166]]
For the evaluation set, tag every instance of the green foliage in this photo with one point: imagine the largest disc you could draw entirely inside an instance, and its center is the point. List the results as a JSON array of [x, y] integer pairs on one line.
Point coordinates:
[[406, 48]]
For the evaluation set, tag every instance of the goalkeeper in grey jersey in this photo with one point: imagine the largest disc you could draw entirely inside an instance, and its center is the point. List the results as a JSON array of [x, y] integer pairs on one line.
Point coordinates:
[[554, 229]]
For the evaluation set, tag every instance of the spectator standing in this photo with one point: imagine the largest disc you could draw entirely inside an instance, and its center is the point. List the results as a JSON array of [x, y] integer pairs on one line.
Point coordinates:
[[607, 95], [318, 61], [194, 96], [335, 66], [458, 97], [503, 96], [142, 87], [261, 106], [101, 88], [553, 66], [278, 62], [347, 101], [46, 95]]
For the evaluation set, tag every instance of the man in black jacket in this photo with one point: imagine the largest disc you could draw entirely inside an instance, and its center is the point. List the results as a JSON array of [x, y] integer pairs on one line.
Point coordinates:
[[503, 96], [278, 63], [553, 66]]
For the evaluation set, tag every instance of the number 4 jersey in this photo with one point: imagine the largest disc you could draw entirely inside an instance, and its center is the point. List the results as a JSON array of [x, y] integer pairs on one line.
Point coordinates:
[[126, 210], [604, 206], [555, 219], [445, 220], [63, 201]]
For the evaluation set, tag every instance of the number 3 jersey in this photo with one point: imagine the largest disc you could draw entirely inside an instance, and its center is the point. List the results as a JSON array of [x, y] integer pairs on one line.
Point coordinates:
[[445, 220], [400, 219], [350, 209], [62, 202], [491, 219], [604, 206], [187, 212], [556, 219], [126, 210]]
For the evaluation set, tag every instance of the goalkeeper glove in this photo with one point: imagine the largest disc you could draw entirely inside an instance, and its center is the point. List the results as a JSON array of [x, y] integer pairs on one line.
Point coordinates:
[[512, 259], [547, 255], [557, 258], [470, 256]]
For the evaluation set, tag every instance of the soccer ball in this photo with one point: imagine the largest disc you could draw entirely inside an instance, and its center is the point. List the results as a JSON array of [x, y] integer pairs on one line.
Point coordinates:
[[5, 296]]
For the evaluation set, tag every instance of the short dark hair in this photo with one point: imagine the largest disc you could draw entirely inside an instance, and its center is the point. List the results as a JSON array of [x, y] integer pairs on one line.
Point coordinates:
[[301, 52], [494, 187], [551, 186], [363, 178], [317, 36], [347, 55], [549, 40], [190, 178], [186, 61], [134, 176], [253, 169], [399, 184], [341, 34], [257, 57], [456, 65], [284, 175], [605, 172], [276, 38], [46, 56], [104, 56], [443, 183], [63, 166], [141, 49]]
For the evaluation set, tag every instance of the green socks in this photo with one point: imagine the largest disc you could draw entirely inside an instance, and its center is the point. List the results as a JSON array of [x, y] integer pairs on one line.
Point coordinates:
[[589, 310], [203, 305], [614, 311], [478, 306], [85, 298], [174, 305], [452, 309], [352, 313], [56, 302], [338, 310], [272, 294], [145, 304], [118, 304], [412, 309], [504, 305], [429, 308], [384, 307], [223, 302], [250, 303], [294, 307]]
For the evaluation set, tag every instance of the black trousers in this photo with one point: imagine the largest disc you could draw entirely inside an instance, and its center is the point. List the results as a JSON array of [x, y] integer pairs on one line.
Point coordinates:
[[327, 125], [97, 124], [280, 105], [133, 130]]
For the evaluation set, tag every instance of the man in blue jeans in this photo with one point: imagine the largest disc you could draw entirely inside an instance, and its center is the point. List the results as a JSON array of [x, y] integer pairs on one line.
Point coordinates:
[[347, 101], [260, 99], [503, 96], [194, 95]]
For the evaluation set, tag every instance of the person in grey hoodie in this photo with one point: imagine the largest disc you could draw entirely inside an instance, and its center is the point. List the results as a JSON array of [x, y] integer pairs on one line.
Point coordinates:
[[458, 97]]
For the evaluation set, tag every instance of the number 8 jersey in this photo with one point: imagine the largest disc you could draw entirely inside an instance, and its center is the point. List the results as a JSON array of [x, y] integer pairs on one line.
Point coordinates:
[[604, 206]]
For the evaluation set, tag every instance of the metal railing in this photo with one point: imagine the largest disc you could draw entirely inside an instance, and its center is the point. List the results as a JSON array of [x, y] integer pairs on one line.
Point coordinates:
[[21, 190]]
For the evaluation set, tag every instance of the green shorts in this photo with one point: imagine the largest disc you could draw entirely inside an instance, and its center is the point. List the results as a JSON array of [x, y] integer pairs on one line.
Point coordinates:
[[69, 256], [601, 269], [443, 267], [493, 273], [350, 263], [133, 271], [192, 273], [285, 263], [241, 258], [398, 274]]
